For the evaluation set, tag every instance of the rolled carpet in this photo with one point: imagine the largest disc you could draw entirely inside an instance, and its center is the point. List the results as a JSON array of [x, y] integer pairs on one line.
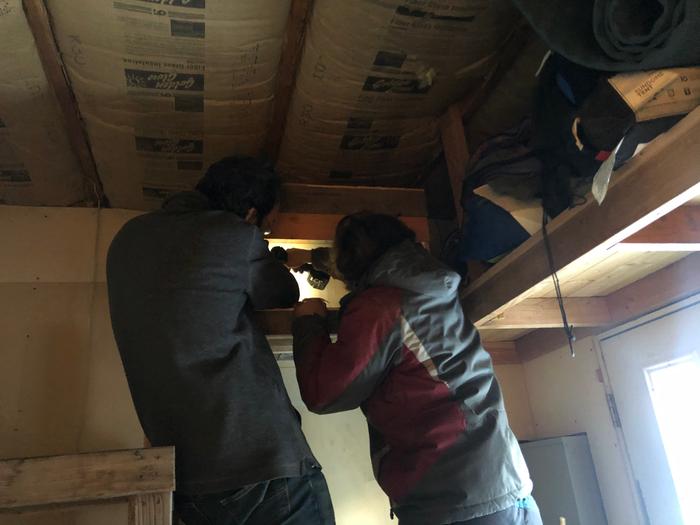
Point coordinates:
[[619, 35]]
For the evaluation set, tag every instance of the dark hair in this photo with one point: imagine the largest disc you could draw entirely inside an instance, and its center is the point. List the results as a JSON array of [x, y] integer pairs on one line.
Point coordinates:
[[239, 183], [362, 238]]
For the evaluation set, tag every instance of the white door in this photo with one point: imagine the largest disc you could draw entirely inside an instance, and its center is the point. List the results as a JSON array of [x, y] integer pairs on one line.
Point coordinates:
[[654, 371]]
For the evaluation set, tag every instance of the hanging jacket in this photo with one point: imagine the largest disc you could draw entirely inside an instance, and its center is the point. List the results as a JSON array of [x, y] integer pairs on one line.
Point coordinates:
[[441, 446]]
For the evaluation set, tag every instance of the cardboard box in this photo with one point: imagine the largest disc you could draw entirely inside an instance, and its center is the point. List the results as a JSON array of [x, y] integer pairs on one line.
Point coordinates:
[[167, 87], [37, 165], [374, 77]]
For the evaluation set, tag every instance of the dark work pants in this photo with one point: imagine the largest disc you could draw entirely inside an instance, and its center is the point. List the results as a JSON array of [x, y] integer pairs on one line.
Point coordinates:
[[288, 501]]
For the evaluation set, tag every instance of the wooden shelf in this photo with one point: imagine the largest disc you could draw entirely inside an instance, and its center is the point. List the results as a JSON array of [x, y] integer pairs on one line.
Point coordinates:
[[643, 236]]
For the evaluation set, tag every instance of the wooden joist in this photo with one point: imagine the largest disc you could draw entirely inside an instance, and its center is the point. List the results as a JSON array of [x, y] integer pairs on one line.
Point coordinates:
[[39, 22], [343, 200], [292, 47], [321, 227], [545, 313], [679, 231], [667, 286], [661, 178], [33, 483]]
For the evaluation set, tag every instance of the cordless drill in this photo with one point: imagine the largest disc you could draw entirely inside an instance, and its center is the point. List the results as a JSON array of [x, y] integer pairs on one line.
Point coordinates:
[[316, 278]]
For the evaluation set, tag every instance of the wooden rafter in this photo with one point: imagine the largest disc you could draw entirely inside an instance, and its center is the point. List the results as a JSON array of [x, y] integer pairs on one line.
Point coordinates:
[[638, 196], [40, 24], [292, 47]]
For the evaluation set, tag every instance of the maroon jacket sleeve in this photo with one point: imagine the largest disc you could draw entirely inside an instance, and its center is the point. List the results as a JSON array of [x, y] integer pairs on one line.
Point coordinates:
[[339, 376]]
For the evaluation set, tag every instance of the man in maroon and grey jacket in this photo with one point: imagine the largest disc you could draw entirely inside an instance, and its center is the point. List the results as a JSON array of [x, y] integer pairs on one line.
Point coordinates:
[[441, 446]]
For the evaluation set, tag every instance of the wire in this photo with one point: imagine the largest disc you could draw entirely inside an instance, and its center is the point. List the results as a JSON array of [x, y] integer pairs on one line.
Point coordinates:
[[568, 329]]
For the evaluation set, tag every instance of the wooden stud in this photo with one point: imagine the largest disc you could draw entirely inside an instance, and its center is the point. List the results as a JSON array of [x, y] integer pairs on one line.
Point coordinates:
[[40, 24], [637, 197], [544, 313], [315, 198], [321, 227], [151, 509], [679, 231], [35, 482], [292, 47]]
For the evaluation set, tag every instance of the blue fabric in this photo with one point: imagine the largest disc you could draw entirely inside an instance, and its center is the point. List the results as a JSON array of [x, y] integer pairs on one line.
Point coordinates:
[[490, 231], [286, 501]]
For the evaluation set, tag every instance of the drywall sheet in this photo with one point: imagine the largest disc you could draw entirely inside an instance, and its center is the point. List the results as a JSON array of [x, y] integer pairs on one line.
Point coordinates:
[[374, 75], [37, 165], [167, 87]]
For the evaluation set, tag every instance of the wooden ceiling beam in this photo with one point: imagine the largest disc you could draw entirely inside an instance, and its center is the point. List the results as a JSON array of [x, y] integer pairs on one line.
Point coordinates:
[[544, 313], [639, 194], [292, 49], [40, 24], [678, 231], [321, 227], [316, 198]]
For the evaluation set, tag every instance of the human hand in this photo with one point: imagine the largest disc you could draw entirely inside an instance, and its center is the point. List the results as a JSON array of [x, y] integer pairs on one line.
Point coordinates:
[[297, 258], [313, 306]]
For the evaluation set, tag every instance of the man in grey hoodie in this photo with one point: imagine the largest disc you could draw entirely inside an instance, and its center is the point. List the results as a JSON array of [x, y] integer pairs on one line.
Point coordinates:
[[183, 284]]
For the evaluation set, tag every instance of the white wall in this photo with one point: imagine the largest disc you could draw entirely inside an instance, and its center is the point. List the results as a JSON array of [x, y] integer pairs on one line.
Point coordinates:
[[62, 387], [567, 396]]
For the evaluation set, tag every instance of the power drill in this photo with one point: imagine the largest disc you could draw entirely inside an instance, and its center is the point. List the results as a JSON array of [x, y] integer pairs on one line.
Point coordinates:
[[316, 278]]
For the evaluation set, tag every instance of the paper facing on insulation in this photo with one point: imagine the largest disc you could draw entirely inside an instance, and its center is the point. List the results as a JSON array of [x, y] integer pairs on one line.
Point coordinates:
[[37, 164], [166, 87], [373, 77]]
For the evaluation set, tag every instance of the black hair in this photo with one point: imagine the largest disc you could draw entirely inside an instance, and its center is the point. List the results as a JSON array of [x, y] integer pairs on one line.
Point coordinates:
[[362, 238], [239, 183]]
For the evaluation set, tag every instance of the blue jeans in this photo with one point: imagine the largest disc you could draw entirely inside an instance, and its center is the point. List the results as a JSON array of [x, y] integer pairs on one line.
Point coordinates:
[[288, 501], [526, 512]]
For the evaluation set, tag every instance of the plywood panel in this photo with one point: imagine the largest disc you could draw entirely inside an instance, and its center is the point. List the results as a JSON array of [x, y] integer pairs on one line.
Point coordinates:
[[567, 397], [603, 274], [497, 336], [43, 367], [47, 244]]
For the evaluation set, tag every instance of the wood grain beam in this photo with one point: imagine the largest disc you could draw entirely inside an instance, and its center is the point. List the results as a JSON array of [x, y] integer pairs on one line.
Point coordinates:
[[316, 198], [76, 478], [544, 313], [638, 195], [321, 227], [678, 231], [669, 285], [292, 48], [40, 24], [454, 145]]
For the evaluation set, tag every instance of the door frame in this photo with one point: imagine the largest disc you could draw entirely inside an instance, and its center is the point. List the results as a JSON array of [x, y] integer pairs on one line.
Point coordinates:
[[650, 317]]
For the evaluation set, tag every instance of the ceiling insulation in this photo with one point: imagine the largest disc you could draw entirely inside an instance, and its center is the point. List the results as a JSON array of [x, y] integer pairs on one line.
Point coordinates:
[[37, 165], [165, 87], [374, 76]]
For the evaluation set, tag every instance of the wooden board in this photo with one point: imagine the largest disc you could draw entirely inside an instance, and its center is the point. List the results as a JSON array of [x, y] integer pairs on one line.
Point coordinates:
[[321, 227], [38, 19], [637, 197], [35, 482], [677, 231], [316, 198], [603, 273], [545, 313]]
